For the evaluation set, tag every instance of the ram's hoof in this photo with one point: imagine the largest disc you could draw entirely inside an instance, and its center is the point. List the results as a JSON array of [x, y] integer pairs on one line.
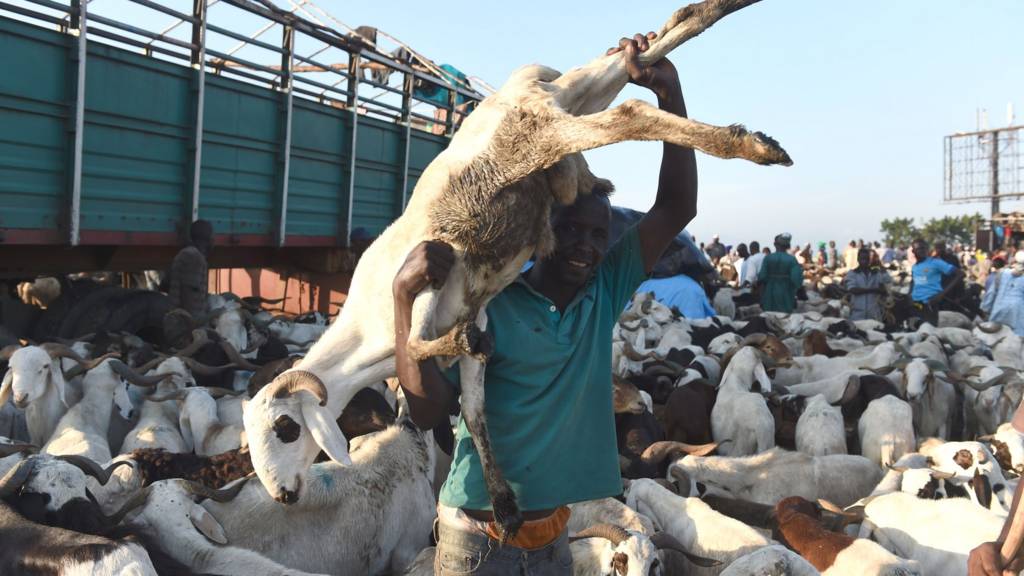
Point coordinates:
[[506, 514], [475, 342]]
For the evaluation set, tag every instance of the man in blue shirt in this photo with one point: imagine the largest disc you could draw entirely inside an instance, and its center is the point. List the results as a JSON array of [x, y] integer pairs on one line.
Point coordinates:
[[548, 382], [926, 285]]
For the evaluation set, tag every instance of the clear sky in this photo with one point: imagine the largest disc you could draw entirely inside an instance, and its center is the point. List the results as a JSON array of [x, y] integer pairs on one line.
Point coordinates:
[[860, 93]]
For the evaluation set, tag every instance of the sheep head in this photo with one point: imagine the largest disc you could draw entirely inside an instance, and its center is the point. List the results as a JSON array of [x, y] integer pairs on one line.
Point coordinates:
[[30, 371], [287, 424]]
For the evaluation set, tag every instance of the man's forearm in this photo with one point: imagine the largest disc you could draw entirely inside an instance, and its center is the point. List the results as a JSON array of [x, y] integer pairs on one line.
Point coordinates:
[[677, 181], [426, 390]]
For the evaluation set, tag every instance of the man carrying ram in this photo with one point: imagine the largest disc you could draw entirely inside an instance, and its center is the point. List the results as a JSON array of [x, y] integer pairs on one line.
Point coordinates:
[[548, 381]]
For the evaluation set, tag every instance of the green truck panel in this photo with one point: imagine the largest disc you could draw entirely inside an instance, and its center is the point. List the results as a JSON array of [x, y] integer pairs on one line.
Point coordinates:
[[138, 150]]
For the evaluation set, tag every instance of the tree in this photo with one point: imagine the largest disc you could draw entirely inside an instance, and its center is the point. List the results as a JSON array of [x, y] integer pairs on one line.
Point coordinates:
[[899, 231], [951, 229]]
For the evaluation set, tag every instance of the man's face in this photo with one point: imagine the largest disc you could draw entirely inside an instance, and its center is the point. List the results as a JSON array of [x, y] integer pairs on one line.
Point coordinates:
[[863, 259], [921, 251], [581, 239]]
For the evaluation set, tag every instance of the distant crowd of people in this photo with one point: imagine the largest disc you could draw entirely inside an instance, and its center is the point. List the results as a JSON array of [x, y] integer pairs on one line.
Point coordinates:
[[865, 271]]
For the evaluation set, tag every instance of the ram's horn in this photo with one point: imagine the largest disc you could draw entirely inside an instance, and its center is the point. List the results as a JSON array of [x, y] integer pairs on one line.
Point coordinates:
[[614, 534], [936, 365], [199, 339], [222, 495], [172, 395], [57, 350], [666, 541], [83, 367], [137, 499], [222, 392], [198, 367], [16, 477], [17, 448], [294, 381], [941, 475], [986, 438], [657, 452], [125, 371], [158, 360], [90, 467], [236, 358], [982, 386], [7, 351]]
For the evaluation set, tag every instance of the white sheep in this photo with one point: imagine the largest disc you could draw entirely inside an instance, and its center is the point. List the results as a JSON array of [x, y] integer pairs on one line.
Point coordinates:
[[201, 427], [771, 476], [886, 430], [740, 415], [379, 510], [190, 534], [938, 534], [820, 430]]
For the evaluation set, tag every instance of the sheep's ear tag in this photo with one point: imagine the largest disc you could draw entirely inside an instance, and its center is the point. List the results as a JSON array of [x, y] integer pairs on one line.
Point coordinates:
[[207, 525]]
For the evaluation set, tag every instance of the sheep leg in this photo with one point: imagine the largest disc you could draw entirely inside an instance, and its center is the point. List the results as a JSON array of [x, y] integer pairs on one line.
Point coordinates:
[[464, 339], [638, 120], [503, 501], [593, 86]]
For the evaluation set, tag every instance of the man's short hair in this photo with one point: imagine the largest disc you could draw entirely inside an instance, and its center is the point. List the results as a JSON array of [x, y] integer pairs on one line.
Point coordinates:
[[919, 241]]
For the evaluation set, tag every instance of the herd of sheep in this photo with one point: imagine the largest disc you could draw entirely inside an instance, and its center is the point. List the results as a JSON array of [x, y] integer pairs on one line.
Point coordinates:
[[772, 444]]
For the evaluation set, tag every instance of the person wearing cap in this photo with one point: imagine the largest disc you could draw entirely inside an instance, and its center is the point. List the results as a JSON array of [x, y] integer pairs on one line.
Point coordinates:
[[715, 250], [780, 278], [1004, 301], [927, 286]]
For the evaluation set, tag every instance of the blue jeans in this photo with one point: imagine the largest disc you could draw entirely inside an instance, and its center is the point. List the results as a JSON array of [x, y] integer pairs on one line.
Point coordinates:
[[460, 552]]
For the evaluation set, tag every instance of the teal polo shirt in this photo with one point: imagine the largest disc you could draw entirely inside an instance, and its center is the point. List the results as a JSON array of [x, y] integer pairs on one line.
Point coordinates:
[[548, 395]]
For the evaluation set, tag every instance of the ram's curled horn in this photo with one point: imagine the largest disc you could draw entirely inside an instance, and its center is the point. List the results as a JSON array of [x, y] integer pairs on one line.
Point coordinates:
[[940, 474], [136, 500], [222, 392], [666, 541], [294, 381], [172, 395], [631, 353], [883, 371], [237, 358], [7, 351], [16, 477], [199, 339], [57, 350], [657, 453], [17, 448], [936, 365], [198, 367], [222, 495], [83, 367], [900, 469], [982, 386], [87, 465], [614, 534], [156, 361], [128, 373]]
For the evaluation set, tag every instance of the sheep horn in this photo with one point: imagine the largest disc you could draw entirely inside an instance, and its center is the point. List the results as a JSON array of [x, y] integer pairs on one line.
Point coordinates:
[[7, 351], [56, 350], [137, 499], [17, 448], [611, 532], [658, 451], [222, 392], [128, 373], [152, 364], [294, 381], [199, 339], [87, 465], [666, 541], [87, 365], [941, 475], [900, 469], [982, 386], [630, 352], [16, 477], [935, 365], [222, 495], [198, 367], [173, 395], [236, 358]]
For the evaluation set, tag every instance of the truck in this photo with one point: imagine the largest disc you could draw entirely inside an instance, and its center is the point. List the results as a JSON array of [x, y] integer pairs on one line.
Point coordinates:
[[114, 138]]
